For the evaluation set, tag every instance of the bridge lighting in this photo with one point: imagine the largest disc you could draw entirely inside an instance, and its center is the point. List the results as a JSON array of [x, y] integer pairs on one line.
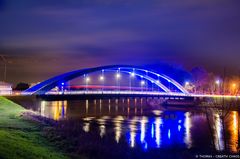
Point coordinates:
[[187, 83], [118, 75], [101, 78], [169, 133], [88, 79], [132, 74], [62, 84], [142, 82], [57, 81]]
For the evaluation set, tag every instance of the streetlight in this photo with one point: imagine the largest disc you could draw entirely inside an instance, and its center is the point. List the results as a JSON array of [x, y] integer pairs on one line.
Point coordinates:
[[87, 80], [186, 83], [101, 78], [132, 75], [142, 84], [234, 87], [62, 87], [118, 76], [157, 83], [169, 84], [217, 82]]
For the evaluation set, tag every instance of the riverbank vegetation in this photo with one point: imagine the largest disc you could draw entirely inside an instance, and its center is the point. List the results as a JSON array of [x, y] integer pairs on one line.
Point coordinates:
[[22, 138]]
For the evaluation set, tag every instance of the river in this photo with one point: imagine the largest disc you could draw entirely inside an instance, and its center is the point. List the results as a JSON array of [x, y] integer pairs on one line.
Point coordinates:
[[131, 128]]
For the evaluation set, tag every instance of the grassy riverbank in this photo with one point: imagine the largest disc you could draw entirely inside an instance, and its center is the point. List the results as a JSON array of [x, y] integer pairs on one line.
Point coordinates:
[[21, 138]]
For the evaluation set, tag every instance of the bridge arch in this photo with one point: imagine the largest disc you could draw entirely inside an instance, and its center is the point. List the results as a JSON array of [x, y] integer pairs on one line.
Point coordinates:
[[51, 83]]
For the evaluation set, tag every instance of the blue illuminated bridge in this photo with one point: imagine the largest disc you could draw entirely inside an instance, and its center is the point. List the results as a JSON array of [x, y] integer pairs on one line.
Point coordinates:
[[109, 81]]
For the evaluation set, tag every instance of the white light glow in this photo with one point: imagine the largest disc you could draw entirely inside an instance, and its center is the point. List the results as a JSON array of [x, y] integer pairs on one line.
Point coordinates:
[[158, 123], [142, 82], [132, 74], [88, 79], [101, 78], [118, 75], [132, 127], [143, 129], [188, 125]]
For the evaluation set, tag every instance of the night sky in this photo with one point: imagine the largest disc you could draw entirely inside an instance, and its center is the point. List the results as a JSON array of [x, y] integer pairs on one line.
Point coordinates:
[[42, 38]]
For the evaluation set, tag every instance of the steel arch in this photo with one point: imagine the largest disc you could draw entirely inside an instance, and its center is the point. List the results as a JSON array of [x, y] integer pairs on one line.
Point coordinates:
[[51, 83]]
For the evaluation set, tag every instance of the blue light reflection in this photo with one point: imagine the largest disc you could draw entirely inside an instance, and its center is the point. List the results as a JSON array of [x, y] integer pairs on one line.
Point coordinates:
[[170, 129]]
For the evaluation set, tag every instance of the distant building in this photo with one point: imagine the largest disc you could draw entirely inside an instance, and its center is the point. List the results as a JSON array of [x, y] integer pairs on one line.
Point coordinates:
[[5, 88]]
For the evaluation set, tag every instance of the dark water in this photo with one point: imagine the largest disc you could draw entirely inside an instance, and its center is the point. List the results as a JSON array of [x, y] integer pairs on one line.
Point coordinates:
[[135, 125]]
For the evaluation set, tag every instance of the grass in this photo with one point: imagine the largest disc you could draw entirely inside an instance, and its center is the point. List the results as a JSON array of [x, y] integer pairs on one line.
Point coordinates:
[[21, 138]]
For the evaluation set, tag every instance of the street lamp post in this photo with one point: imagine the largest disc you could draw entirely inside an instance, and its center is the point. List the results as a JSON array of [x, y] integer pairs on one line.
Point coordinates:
[[118, 75], [62, 87], [142, 84], [234, 88], [217, 84], [130, 80], [87, 80], [102, 79]]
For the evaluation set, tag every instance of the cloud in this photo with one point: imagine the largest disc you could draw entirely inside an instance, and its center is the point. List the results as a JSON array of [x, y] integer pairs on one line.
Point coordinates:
[[69, 32]]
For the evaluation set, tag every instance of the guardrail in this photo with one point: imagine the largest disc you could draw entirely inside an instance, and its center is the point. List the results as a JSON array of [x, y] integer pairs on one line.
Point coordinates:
[[116, 92], [89, 92]]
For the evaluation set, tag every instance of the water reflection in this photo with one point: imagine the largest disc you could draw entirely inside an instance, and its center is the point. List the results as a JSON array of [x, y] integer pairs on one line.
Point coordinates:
[[234, 131], [146, 132], [132, 121], [218, 133], [143, 128], [102, 127], [118, 127], [158, 122], [56, 110], [187, 125], [86, 127], [133, 129]]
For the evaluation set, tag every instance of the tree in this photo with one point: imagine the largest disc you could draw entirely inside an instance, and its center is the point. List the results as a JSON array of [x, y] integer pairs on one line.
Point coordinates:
[[22, 86], [200, 77]]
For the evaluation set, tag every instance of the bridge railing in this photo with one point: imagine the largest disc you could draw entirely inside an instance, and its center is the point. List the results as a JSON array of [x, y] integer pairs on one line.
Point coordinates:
[[114, 92]]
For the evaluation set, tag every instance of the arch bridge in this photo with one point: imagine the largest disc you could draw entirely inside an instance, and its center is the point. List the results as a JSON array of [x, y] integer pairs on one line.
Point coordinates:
[[114, 79]]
